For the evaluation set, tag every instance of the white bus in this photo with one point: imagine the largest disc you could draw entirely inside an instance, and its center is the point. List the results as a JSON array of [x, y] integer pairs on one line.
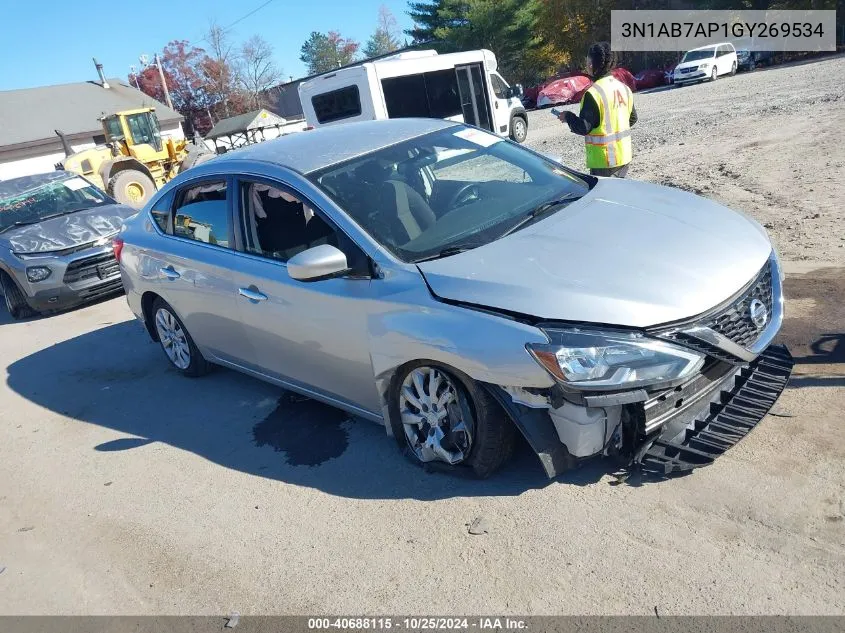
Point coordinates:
[[464, 87]]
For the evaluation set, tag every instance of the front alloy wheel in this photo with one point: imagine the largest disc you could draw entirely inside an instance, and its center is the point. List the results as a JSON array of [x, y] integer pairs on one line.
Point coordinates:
[[438, 422], [715, 74], [440, 415]]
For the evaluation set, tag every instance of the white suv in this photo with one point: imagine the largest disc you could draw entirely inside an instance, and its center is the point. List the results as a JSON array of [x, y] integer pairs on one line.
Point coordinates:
[[707, 62]]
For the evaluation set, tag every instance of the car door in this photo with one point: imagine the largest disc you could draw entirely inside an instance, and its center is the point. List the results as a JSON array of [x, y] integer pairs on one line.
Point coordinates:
[[501, 104], [724, 60], [314, 334], [192, 267]]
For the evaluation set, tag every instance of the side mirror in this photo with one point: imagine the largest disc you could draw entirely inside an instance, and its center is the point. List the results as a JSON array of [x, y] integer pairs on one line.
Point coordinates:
[[515, 91], [319, 262]]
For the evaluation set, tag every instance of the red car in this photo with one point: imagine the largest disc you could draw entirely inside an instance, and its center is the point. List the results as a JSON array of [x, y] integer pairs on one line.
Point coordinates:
[[652, 78]]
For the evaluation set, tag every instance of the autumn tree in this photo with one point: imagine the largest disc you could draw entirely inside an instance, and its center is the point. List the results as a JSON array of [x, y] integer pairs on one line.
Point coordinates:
[[182, 66], [257, 71], [325, 51], [385, 39], [220, 70]]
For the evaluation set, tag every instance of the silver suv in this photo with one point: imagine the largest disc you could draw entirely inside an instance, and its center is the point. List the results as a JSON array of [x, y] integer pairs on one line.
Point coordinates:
[[56, 232], [461, 289]]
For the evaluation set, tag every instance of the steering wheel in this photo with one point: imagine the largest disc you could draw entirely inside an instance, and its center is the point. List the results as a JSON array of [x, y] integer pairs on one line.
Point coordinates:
[[470, 192]]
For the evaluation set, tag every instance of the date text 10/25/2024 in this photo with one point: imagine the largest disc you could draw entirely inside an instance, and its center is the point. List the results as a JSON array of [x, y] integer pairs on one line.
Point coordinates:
[[417, 624]]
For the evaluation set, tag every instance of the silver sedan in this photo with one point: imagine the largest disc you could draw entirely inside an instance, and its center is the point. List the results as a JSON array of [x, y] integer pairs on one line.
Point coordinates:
[[462, 290]]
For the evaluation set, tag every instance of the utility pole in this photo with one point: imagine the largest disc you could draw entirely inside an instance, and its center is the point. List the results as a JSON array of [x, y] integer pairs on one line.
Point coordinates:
[[134, 73], [163, 82]]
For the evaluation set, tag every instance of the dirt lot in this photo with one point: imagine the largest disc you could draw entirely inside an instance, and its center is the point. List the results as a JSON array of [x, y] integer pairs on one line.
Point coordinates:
[[125, 488], [769, 143]]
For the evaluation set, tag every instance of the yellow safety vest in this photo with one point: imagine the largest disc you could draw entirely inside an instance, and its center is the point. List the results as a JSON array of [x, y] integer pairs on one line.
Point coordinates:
[[609, 143]]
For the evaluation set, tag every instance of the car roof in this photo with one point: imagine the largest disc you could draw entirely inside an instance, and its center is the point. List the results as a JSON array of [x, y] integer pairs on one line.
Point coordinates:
[[315, 149], [22, 184], [701, 48]]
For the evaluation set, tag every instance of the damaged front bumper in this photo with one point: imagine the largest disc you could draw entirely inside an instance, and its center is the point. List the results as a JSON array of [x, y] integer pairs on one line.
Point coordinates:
[[662, 431]]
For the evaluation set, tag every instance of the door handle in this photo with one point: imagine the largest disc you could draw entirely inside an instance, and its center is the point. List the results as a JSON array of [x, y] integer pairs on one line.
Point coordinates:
[[168, 272], [252, 294]]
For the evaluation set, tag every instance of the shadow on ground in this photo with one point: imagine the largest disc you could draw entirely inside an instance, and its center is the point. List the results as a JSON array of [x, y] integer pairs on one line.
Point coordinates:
[[814, 328], [116, 378]]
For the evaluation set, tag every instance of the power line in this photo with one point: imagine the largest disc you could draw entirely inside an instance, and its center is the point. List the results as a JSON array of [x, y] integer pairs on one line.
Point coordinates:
[[227, 28]]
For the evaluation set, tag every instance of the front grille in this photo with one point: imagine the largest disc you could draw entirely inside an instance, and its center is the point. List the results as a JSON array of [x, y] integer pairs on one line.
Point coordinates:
[[97, 267], [734, 322], [688, 70], [737, 410]]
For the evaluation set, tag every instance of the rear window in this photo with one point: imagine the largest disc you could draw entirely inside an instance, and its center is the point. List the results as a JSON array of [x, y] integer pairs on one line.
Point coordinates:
[[337, 104]]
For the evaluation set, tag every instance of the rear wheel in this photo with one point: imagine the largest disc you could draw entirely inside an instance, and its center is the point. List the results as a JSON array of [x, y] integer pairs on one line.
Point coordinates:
[[733, 69], [440, 416], [519, 129], [15, 300], [131, 187], [177, 344]]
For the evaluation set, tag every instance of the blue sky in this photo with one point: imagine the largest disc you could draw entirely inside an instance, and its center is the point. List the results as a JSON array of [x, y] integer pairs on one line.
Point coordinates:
[[45, 42]]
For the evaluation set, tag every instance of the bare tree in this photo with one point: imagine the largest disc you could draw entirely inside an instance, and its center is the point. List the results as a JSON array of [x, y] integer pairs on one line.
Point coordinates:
[[257, 71], [221, 68]]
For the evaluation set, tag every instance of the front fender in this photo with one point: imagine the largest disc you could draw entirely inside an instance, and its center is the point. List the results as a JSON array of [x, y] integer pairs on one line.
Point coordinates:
[[410, 324]]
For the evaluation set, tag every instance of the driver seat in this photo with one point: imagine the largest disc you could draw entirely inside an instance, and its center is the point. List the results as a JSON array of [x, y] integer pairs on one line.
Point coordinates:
[[406, 211]]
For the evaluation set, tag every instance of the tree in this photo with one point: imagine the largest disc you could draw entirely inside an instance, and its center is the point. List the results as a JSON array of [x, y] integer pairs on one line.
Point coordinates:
[[258, 72], [384, 40], [507, 27], [322, 52], [220, 69], [427, 19], [182, 66]]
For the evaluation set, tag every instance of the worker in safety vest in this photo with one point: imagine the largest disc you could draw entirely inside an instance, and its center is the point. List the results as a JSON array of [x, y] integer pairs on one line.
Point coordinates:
[[607, 114]]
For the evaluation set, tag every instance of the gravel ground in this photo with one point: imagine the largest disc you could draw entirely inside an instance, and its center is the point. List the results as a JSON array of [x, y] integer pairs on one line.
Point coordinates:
[[127, 489], [769, 143]]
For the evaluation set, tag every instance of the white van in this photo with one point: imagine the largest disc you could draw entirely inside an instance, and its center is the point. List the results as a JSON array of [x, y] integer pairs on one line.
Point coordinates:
[[706, 63], [463, 87]]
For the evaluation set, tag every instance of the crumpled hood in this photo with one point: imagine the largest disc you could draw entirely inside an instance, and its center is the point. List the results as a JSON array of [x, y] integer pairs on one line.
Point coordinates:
[[628, 253], [67, 231]]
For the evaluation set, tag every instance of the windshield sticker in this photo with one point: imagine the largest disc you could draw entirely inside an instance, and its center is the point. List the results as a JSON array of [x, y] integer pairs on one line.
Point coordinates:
[[75, 184], [14, 206], [478, 137]]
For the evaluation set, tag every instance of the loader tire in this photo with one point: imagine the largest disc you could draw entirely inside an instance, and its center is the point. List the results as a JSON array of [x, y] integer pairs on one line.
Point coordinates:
[[131, 187], [194, 158]]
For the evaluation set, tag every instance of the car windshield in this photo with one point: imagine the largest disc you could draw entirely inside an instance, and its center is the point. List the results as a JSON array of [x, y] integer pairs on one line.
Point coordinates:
[[694, 56], [447, 191], [27, 201]]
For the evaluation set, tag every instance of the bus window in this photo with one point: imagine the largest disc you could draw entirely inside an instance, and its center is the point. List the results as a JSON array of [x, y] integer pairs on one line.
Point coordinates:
[[337, 104]]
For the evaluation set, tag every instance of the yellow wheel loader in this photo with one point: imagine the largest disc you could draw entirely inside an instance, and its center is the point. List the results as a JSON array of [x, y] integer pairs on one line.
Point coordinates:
[[135, 161]]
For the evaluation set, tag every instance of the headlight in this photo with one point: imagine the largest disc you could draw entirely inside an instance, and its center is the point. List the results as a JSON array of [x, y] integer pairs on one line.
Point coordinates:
[[613, 360], [38, 273], [704, 66]]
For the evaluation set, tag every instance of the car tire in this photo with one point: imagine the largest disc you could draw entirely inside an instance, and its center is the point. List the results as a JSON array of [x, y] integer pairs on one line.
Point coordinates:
[[131, 187], [733, 69], [176, 342], [519, 129], [715, 74], [483, 444], [15, 299]]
